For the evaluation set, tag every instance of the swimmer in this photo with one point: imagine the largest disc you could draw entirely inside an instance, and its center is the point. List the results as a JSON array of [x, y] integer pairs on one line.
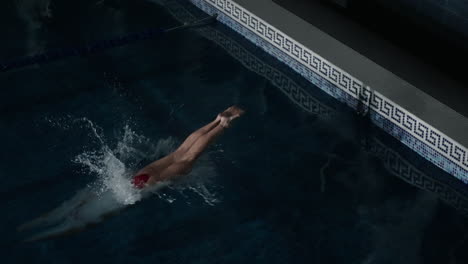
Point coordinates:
[[78, 213], [180, 162]]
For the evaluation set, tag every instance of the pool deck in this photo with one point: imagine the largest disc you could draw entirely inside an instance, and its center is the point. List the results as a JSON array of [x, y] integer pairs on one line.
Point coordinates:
[[430, 127]]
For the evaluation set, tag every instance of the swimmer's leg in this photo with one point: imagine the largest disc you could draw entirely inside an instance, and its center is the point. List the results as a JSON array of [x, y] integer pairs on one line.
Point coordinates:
[[183, 161], [162, 164], [224, 118], [202, 143], [206, 139], [197, 134], [171, 172]]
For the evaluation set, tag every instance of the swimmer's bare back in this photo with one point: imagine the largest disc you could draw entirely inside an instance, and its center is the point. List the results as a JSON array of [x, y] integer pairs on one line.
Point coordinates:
[[180, 162]]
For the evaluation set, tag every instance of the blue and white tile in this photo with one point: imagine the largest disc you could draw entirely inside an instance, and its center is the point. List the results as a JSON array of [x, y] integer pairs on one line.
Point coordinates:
[[435, 146]]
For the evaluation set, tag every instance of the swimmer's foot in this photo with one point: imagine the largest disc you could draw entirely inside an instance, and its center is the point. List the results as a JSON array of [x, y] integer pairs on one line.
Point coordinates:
[[223, 120], [230, 114]]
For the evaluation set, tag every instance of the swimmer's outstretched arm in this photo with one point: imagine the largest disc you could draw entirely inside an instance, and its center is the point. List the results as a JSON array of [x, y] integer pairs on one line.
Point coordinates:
[[61, 212]]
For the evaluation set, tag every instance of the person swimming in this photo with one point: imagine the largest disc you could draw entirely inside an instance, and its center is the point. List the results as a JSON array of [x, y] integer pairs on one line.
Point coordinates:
[[180, 162], [80, 212]]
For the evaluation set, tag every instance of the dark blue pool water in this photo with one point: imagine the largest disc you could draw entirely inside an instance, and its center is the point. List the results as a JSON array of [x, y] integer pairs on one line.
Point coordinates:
[[283, 185]]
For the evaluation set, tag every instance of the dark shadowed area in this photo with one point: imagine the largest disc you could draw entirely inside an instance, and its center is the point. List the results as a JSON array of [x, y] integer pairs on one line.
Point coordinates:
[[283, 185]]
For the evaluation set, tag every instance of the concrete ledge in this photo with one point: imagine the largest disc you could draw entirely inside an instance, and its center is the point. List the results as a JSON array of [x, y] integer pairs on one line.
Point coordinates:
[[423, 69], [425, 125]]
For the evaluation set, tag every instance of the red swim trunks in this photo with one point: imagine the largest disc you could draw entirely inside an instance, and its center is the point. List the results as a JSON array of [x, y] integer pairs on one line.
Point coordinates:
[[139, 180]]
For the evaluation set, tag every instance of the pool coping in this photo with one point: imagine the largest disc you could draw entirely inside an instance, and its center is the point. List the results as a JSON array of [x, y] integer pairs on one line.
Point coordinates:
[[425, 125]]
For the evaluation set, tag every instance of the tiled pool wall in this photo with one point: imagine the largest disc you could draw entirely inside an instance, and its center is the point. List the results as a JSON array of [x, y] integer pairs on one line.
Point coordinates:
[[297, 91], [418, 135], [402, 168]]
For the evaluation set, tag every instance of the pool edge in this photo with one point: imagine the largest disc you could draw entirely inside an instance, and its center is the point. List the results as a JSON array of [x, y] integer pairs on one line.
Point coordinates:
[[429, 142]]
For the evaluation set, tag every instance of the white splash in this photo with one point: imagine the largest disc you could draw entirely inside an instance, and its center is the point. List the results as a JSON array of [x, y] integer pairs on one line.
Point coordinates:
[[113, 167]]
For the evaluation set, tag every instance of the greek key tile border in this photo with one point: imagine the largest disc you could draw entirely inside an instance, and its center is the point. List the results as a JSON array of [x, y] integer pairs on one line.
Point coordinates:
[[403, 169], [233, 15], [290, 88]]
